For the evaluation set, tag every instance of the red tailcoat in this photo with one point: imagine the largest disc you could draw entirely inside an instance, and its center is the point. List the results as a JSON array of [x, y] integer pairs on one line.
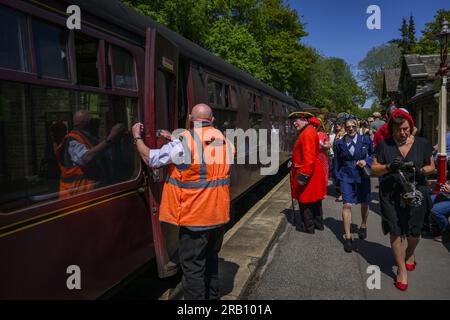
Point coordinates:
[[305, 160]]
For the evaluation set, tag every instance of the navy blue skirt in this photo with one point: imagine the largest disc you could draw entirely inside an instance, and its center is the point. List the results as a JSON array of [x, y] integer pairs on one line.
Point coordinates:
[[355, 193]]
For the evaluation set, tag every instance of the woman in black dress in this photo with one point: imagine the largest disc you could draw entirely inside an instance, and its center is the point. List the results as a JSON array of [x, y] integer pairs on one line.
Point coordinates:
[[403, 161]]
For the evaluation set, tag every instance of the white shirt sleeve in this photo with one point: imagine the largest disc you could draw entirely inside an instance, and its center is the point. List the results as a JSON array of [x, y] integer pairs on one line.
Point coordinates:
[[76, 152], [166, 155]]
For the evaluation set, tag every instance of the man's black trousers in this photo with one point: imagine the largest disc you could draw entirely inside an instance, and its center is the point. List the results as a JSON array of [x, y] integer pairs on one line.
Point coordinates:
[[199, 260], [309, 217]]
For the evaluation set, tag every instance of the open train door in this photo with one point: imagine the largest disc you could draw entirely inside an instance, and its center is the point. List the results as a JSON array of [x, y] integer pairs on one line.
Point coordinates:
[[161, 59]]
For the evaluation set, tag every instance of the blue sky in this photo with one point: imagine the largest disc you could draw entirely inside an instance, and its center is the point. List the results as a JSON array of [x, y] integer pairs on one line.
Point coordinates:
[[338, 28]]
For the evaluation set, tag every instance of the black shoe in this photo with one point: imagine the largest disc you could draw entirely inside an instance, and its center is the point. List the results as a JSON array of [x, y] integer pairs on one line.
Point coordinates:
[[319, 226], [362, 233], [348, 245]]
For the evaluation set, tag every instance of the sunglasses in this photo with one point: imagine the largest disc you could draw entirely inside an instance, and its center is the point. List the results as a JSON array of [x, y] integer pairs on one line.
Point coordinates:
[[348, 127]]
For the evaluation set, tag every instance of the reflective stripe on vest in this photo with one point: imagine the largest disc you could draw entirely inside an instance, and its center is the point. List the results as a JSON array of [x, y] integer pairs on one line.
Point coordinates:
[[71, 179], [199, 184]]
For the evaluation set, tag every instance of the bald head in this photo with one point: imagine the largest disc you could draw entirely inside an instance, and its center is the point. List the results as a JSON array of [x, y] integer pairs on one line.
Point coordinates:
[[81, 119], [201, 112]]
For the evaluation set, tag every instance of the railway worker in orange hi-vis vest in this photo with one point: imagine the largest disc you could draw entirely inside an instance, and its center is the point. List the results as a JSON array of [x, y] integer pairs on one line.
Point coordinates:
[[78, 155], [195, 197], [307, 177]]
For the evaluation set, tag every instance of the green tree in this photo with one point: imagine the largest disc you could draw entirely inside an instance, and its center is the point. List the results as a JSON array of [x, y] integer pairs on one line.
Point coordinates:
[[411, 34], [190, 18], [371, 68], [334, 86], [428, 43], [235, 44]]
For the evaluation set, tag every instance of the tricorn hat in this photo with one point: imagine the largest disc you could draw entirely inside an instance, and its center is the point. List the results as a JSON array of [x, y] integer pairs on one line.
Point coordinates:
[[300, 115]]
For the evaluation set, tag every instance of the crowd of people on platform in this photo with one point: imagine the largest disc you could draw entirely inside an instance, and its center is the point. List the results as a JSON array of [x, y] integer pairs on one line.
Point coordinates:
[[360, 149]]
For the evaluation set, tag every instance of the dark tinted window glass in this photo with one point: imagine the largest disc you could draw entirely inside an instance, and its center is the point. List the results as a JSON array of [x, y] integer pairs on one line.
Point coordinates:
[[123, 64], [211, 92], [50, 43], [220, 98], [224, 119], [86, 50], [14, 53], [164, 99], [34, 122]]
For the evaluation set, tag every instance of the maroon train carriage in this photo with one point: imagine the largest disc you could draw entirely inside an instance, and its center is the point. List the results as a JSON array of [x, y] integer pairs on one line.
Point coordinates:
[[122, 67]]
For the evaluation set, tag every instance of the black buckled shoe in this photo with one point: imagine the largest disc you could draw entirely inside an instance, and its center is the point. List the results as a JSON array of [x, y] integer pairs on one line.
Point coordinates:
[[362, 233], [348, 245]]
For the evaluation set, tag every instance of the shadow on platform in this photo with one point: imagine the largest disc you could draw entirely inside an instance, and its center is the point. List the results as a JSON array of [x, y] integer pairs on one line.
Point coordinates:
[[227, 273], [290, 217], [374, 253]]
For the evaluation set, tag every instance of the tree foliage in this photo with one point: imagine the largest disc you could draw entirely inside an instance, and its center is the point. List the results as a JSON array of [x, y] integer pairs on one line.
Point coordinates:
[[263, 38], [371, 68], [334, 86], [428, 43], [235, 44]]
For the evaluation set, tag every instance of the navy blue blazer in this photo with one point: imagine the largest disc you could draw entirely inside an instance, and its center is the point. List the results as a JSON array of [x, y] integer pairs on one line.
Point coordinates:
[[345, 168]]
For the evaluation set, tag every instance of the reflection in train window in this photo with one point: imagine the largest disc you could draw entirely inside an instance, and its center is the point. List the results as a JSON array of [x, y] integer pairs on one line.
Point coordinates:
[[14, 51], [216, 93], [123, 65], [38, 156], [224, 119], [50, 44], [255, 121], [231, 97], [165, 100], [211, 92], [86, 51]]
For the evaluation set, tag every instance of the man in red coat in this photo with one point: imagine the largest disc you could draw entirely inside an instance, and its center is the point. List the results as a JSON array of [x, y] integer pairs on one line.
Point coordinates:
[[307, 177]]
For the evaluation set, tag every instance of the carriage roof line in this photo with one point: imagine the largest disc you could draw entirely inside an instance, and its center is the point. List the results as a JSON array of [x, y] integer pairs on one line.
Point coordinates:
[[129, 19]]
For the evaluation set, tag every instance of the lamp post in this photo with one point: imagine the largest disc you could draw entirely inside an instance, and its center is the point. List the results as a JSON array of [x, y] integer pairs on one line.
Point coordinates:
[[443, 69]]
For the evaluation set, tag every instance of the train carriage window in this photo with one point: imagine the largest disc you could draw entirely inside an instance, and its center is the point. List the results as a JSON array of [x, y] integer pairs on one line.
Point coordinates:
[[14, 50], [225, 119], [86, 51], [216, 93], [36, 160], [211, 92], [50, 43], [123, 65], [220, 94], [232, 98], [164, 100]]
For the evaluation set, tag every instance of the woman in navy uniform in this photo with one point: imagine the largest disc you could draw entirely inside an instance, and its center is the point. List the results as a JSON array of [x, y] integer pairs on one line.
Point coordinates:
[[352, 154]]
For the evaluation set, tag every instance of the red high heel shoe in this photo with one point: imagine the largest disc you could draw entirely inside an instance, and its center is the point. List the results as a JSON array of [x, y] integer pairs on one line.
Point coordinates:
[[401, 286], [411, 267]]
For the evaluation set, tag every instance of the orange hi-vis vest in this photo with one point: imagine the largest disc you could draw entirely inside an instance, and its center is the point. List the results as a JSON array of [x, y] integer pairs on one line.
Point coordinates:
[[74, 178], [197, 194]]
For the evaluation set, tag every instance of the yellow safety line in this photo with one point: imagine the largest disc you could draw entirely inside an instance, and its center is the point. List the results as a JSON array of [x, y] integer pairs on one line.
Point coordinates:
[[64, 214], [55, 211]]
